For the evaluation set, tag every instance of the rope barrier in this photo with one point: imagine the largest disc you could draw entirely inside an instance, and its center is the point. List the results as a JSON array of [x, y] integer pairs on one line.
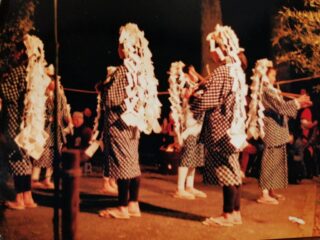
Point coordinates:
[[94, 92], [298, 80], [167, 93], [80, 90]]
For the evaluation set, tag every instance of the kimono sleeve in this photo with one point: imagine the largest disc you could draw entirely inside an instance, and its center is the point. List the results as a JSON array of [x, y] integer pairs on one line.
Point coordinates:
[[279, 105], [212, 96], [115, 92]]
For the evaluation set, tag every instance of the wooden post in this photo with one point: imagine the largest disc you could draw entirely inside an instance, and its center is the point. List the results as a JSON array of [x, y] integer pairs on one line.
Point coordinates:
[[57, 156], [210, 16], [70, 193]]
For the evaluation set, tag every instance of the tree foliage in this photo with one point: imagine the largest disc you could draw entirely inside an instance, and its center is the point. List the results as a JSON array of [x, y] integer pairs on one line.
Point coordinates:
[[17, 22], [296, 38]]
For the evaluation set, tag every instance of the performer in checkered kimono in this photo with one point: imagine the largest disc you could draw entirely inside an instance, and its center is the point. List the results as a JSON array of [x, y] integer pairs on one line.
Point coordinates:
[[274, 168], [109, 184], [65, 127], [221, 106], [12, 92], [122, 125], [187, 129]]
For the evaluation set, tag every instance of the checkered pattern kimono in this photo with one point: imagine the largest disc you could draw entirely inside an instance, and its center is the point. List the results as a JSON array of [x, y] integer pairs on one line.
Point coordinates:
[[47, 158], [120, 141], [274, 168], [221, 160], [192, 152], [12, 91]]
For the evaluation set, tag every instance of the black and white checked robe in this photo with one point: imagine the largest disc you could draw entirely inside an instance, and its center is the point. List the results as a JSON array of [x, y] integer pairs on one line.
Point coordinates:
[[12, 91], [274, 168], [217, 101], [47, 158], [121, 142], [192, 152]]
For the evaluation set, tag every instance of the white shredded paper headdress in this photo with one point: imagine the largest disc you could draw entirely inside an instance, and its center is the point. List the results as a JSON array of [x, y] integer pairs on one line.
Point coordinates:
[[143, 106], [32, 136], [225, 43], [255, 125], [184, 122]]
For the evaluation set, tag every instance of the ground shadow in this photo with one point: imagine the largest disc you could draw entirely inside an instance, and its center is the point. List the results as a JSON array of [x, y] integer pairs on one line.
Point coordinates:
[[93, 203]]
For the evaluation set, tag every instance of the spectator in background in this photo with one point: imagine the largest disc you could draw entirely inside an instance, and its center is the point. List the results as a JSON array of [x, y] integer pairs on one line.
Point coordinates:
[[81, 134], [169, 140], [296, 167], [88, 118], [306, 126]]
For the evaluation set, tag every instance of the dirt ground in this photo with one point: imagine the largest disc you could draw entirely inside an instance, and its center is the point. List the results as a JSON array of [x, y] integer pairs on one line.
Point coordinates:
[[164, 217]]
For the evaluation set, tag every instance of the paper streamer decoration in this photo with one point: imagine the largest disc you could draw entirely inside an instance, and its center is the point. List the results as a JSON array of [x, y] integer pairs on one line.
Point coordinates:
[[143, 106], [225, 43], [184, 122], [33, 137]]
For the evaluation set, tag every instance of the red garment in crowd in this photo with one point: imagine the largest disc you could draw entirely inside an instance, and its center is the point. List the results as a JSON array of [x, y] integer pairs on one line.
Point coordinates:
[[306, 114]]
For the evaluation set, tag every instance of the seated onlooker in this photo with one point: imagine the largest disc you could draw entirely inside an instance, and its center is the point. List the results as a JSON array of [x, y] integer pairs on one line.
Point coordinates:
[[88, 118], [296, 167], [307, 126], [81, 134], [169, 140]]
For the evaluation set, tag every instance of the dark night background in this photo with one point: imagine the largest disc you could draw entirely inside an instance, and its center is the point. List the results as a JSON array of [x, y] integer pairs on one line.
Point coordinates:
[[88, 35]]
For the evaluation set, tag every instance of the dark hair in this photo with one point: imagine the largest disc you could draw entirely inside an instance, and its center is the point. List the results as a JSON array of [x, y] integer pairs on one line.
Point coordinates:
[[185, 69], [21, 55]]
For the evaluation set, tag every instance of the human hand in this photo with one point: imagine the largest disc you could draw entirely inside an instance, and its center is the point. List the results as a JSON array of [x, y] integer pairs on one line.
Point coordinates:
[[315, 123], [188, 93], [304, 101]]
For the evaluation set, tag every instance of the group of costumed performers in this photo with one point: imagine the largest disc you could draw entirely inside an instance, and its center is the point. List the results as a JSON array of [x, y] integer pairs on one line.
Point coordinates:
[[209, 115], [128, 105], [23, 93], [268, 119]]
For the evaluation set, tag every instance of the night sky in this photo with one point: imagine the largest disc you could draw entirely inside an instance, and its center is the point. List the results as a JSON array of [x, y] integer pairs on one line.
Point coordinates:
[[88, 35]]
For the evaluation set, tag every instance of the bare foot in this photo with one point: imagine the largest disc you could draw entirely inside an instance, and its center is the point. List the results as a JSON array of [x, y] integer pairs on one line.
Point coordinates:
[[18, 204], [28, 200]]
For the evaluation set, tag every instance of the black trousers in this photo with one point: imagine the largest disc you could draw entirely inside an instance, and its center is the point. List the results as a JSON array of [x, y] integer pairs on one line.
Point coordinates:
[[128, 190], [22, 183], [231, 198]]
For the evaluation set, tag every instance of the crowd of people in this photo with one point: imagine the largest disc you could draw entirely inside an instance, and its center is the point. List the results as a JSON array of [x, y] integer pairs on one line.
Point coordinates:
[[215, 125]]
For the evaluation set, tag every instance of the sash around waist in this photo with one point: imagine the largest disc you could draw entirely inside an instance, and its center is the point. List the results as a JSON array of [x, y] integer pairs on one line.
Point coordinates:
[[275, 116]]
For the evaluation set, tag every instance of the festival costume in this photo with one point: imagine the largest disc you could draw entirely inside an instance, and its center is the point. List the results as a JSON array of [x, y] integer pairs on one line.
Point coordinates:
[[12, 92], [32, 137], [128, 105], [223, 132], [47, 158], [223, 101], [120, 140], [270, 122], [187, 126], [23, 93]]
